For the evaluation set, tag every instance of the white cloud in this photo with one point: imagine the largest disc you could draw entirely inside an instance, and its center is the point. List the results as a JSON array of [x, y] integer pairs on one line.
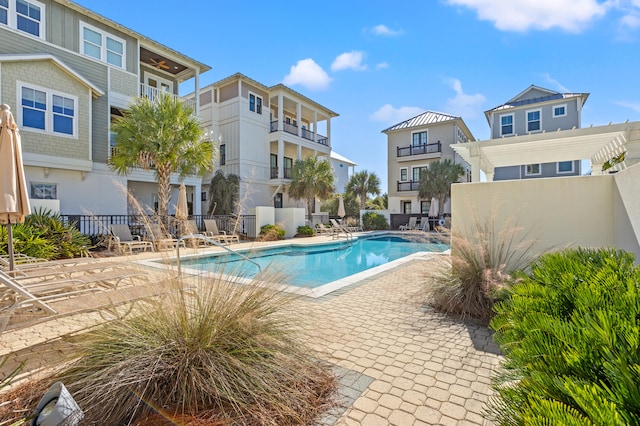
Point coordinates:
[[635, 106], [631, 21], [523, 15], [390, 115], [349, 60], [382, 65], [547, 77], [463, 105], [383, 30], [308, 74]]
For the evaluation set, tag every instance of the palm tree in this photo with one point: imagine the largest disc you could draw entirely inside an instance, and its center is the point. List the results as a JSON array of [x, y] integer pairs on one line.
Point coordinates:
[[436, 180], [161, 134], [311, 178], [362, 184], [223, 193]]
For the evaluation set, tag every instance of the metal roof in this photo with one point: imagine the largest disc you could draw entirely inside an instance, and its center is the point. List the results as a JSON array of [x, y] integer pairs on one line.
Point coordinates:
[[424, 119]]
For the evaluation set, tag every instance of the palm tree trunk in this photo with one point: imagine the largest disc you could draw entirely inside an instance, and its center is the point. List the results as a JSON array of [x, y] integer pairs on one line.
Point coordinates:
[[164, 189]]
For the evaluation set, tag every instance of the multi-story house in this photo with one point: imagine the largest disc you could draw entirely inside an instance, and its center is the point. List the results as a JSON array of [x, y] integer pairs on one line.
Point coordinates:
[[261, 132], [66, 72], [343, 169], [412, 145], [536, 110]]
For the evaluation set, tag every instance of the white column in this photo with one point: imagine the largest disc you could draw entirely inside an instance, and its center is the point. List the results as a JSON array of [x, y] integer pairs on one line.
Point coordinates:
[[315, 126], [328, 131], [299, 152], [299, 118], [280, 112], [197, 92], [489, 174], [280, 158], [475, 169]]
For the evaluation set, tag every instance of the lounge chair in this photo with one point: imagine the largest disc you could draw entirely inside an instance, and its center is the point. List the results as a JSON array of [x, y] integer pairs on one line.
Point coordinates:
[[124, 241], [212, 231], [324, 230], [339, 229], [411, 225], [161, 239]]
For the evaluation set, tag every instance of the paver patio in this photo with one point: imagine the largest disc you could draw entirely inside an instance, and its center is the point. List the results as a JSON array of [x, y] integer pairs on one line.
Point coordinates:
[[400, 363]]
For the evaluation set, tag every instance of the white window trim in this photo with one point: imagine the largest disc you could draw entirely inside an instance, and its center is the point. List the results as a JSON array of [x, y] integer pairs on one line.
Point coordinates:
[[47, 184], [512, 124], [12, 18], [103, 47], [407, 173], [526, 173], [553, 109], [526, 116], [169, 83], [48, 122], [256, 105], [573, 167]]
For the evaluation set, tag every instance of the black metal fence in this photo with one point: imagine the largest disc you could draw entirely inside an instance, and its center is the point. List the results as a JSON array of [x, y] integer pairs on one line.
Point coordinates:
[[243, 225]]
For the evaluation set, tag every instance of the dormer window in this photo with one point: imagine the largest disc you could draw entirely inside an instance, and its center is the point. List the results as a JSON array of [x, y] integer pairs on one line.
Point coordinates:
[[23, 15]]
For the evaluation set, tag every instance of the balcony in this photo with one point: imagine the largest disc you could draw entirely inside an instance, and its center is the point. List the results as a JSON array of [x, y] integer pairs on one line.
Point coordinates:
[[411, 185], [305, 133], [153, 92], [430, 148]]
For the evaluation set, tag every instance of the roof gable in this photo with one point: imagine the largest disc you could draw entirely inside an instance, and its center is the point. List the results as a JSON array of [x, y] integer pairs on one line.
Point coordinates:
[[425, 119]]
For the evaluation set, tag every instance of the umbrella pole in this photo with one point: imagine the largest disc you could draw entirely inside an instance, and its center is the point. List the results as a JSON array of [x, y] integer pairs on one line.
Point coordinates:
[[10, 245]]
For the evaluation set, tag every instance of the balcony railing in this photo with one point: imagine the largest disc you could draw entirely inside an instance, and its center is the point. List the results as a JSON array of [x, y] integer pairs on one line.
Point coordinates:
[[429, 148], [411, 185], [305, 133], [153, 93]]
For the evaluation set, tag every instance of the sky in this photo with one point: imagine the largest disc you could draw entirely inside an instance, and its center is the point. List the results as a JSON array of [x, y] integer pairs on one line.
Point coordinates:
[[377, 63]]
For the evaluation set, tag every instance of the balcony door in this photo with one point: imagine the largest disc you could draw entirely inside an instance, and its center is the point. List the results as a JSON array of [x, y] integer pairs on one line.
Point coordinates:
[[156, 85]]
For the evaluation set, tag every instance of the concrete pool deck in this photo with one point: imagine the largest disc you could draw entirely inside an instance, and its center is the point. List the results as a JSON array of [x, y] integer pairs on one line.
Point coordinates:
[[399, 362]]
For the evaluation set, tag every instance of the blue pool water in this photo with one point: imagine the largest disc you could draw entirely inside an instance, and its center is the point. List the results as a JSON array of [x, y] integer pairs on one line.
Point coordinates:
[[313, 266]]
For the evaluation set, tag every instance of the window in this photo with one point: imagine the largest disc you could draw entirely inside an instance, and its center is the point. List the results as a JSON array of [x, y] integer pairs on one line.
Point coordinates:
[[532, 170], [277, 200], [419, 138], [406, 207], [203, 196], [48, 111], [23, 15], [223, 154], [288, 168], [506, 125], [255, 103], [102, 46], [424, 207], [417, 171], [565, 167], [274, 166], [559, 111], [533, 121], [44, 191], [404, 175]]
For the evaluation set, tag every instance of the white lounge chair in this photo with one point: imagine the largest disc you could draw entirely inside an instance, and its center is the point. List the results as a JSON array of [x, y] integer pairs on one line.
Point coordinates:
[[411, 225], [124, 241], [212, 231], [161, 239]]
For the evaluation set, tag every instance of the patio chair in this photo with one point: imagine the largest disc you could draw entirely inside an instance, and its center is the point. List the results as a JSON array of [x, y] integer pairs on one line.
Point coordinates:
[[411, 225], [124, 241], [161, 239], [324, 230], [212, 231]]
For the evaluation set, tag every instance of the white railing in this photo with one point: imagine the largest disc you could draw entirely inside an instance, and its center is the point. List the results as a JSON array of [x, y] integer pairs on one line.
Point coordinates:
[[153, 92]]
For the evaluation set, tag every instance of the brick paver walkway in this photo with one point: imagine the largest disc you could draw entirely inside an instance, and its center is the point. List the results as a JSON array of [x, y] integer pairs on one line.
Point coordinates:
[[399, 362]]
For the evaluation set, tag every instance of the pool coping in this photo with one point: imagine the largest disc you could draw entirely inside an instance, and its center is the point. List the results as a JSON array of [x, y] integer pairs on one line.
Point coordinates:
[[316, 292]]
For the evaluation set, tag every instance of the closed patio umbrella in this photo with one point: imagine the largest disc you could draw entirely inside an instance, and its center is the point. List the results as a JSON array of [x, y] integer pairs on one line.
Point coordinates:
[[14, 198], [341, 211], [182, 209]]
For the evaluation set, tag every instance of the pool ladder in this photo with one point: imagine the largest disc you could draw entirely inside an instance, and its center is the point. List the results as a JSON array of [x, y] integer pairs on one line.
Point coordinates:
[[210, 241], [342, 229]]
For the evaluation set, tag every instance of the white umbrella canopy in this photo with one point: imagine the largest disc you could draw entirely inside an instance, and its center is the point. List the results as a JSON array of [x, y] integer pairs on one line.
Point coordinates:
[[341, 211], [434, 208], [182, 209], [14, 198]]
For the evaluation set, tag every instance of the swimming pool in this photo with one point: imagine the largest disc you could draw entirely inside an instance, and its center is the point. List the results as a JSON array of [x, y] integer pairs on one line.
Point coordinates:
[[318, 269]]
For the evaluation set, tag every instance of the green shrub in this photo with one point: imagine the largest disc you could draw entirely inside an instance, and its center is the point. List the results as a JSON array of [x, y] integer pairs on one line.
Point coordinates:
[[45, 235], [305, 230], [271, 233], [373, 221], [221, 351], [570, 333]]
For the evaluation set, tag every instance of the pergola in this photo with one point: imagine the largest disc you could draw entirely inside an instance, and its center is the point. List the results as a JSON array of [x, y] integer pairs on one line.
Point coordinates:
[[597, 144]]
